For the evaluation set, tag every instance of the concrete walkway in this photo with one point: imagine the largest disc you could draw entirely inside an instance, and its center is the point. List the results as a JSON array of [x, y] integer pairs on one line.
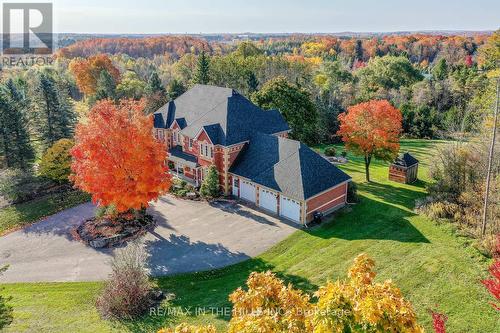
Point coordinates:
[[190, 236]]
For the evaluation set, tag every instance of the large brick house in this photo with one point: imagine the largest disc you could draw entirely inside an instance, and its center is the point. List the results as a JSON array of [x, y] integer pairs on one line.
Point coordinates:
[[249, 146]]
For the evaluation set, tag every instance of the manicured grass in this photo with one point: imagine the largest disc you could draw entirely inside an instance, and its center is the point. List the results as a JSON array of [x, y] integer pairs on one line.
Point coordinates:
[[17, 216], [428, 262]]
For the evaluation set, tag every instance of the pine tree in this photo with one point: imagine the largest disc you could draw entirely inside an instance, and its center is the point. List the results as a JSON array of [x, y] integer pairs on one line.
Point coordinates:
[[15, 141], [154, 85], [210, 186], [106, 86], [54, 118], [175, 89], [156, 94], [202, 74], [252, 82], [440, 71]]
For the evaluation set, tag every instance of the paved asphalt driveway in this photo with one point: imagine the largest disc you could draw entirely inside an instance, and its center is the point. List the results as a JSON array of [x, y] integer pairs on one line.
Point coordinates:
[[190, 236]]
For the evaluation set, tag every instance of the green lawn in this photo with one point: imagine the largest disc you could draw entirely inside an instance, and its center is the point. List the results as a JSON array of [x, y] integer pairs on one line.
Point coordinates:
[[17, 216], [427, 261]]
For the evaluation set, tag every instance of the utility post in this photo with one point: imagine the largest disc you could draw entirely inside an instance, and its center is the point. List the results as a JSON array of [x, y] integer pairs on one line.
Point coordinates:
[[490, 162]]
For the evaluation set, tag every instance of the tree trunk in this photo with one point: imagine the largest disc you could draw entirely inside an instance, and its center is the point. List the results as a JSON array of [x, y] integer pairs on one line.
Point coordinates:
[[368, 159]]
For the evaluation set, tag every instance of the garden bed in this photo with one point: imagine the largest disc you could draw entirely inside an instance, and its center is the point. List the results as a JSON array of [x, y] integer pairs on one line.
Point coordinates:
[[100, 232]]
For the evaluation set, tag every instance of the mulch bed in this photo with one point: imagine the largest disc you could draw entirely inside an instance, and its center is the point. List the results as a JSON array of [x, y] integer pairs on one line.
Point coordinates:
[[105, 232]]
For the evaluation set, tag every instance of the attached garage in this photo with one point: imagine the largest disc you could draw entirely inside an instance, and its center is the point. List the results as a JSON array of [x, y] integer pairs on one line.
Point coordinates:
[[290, 208], [303, 180], [247, 190], [268, 200]]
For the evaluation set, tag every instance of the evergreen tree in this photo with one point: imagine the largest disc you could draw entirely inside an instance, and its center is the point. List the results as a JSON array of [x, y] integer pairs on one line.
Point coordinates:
[[106, 86], [252, 82], [154, 85], [440, 71], [202, 74], [15, 144], [358, 50], [210, 186], [53, 114], [175, 89], [156, 94]]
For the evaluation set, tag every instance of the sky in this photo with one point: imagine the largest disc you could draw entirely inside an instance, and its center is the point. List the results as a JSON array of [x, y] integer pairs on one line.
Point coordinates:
[[259, 16]]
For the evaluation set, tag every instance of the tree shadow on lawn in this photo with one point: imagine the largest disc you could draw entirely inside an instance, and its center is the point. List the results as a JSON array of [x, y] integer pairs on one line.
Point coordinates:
[[402, 195], [208, 291], [375, 219]]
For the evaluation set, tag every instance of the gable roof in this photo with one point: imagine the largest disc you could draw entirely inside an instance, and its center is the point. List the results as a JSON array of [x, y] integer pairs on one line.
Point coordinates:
[[406, 160], [287, 166], [227, 116]]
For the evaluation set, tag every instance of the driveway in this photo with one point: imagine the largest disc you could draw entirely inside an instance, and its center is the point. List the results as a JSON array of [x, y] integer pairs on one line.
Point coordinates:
[[190, 236]]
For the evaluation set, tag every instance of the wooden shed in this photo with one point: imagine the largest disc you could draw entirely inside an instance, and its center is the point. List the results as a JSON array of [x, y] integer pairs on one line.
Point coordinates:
[[404, 169]]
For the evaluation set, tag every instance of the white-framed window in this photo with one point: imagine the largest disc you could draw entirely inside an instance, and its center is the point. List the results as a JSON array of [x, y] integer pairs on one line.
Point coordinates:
[[206, 150], [190, 143]]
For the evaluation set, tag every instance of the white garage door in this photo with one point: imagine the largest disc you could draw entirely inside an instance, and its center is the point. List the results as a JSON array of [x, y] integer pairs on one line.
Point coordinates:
[[267, 200], [247, 190], [290, 209]]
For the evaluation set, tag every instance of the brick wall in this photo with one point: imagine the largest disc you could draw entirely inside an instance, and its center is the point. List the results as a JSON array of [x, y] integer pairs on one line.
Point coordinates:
[[326, 201]]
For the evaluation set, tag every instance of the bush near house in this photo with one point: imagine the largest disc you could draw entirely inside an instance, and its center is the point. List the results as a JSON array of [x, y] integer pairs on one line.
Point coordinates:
[[210, 186], [330, 151], [56, 161]]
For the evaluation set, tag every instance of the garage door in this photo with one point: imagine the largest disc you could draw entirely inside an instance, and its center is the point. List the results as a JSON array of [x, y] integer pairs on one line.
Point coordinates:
[[290, 208], [247, 190], [267, 200]]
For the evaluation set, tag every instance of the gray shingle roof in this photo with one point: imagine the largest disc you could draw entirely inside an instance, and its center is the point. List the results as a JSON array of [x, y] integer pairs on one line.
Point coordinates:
[[287, 166], [177, 151], [406, 160], [227, 116]]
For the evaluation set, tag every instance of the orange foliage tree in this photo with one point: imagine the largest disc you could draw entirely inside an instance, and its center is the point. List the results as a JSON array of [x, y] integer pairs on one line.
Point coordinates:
[[117, 159], [87, 72], [371, 129]]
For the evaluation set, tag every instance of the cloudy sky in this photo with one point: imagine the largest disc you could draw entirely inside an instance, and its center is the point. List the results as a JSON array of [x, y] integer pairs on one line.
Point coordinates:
[[215, 16]]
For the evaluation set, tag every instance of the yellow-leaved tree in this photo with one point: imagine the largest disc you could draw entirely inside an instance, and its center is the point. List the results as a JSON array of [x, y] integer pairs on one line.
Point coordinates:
[[353, 305]]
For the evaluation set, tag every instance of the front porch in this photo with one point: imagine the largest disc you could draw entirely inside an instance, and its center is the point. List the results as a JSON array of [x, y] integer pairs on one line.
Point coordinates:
[[185, 166]]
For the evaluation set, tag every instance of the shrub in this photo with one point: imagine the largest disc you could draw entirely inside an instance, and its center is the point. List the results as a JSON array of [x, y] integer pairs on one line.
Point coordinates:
[[103, 211], [330, 151], [357, 304], [352, 192], [128, 291], [343, 154], [441, 210], [56, 161], [5, 309], [210, 186], [18, 186]]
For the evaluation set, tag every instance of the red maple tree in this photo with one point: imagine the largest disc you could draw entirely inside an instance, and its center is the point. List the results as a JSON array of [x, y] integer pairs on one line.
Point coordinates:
[[371, 129], [117, 159], [493, 284]]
